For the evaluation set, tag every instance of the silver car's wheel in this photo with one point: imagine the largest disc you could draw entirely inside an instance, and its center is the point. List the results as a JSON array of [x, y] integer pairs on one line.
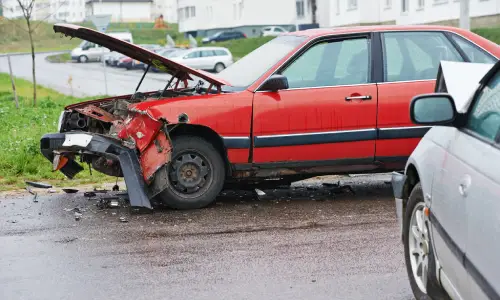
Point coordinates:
[[219, 67], [418, 244], [83, 59]]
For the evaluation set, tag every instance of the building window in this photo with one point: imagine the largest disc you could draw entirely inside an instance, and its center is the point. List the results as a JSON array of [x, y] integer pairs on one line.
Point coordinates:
[[388, 3], [193, 11], [404, 6], [420, 4], [352, 4], [300, 8]]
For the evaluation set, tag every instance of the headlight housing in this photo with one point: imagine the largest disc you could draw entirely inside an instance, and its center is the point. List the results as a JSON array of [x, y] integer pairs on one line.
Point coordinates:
[[61, 120]]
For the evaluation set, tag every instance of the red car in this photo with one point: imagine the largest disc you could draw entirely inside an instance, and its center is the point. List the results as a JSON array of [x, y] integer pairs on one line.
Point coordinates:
[[315, 102]]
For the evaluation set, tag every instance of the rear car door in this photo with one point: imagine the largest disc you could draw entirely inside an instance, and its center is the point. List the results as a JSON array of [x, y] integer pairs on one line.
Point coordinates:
[[207, 60], [478, 148], [328, 113], [411, 61]]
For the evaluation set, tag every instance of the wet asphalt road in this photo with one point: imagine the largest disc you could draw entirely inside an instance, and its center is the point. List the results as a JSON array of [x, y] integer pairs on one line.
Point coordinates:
[[295, 244], [87, 79]]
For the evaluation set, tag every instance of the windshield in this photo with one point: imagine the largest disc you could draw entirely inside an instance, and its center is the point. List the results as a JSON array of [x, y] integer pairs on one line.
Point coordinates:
[[248, 69], [176, 53]]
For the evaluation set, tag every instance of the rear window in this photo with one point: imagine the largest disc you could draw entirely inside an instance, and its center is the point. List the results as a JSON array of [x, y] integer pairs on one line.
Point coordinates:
[[221, 53]]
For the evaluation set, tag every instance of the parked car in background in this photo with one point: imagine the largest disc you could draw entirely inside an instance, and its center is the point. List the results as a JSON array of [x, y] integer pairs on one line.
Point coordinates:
[[125, 62], [273, 31], [308, 103], [204, 58], [152, 47], [448, 199], [165, 53], [88, 51], [224, 36]]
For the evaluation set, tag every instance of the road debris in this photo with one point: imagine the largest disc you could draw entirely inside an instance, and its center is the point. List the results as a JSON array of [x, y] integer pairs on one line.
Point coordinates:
[[123, 219], [12, 221], [51, 191], [78, 216], [70, 191], [38, 184]]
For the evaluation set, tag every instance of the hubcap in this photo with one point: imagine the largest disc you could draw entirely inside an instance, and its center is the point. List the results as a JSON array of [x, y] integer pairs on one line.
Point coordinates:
[[418, 242], [190, 173]]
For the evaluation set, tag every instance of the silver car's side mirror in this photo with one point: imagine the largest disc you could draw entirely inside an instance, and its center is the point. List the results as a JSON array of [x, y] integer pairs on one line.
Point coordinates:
[[433, 109]]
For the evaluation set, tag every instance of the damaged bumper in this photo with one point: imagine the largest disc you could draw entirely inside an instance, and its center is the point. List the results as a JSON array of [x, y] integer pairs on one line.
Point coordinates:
[[103, 146]]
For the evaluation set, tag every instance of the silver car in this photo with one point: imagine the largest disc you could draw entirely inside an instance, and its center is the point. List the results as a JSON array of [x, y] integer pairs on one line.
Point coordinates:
[[204, 58], [448, 199]]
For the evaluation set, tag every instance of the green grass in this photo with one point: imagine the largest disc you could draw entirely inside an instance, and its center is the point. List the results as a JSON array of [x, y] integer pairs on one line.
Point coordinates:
[[242, 47], [492, 34], [59, 58], [20, 132]]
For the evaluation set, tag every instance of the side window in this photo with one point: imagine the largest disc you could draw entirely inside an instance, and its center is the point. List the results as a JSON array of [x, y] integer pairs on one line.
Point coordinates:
[[277, 29], [473, 52], [484, 117], [331, 64], [194, 54], [220, 53], [207, 53], [416, 55]]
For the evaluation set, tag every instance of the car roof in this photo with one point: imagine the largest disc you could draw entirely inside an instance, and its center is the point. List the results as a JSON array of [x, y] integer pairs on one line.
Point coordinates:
[[318, 32]]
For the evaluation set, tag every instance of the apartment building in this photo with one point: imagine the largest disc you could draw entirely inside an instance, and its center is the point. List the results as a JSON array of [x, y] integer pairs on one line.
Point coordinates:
[[206, 17], [49, 10]]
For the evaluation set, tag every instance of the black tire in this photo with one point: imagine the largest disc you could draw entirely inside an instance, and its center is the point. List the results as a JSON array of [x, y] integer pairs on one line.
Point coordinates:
[[180, 196], [83, 59], [219, 67], [433, 288]]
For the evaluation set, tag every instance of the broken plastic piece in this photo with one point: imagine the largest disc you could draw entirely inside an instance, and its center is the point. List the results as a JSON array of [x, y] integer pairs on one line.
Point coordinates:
[[70, 191], [38, 184]]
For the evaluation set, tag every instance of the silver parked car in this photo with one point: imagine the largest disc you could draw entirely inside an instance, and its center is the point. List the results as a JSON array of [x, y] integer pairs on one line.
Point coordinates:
[[204, 58], [273, 31], [448, 199]]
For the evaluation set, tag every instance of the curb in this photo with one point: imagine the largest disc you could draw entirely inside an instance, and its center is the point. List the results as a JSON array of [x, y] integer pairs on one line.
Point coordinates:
[[28, 53]]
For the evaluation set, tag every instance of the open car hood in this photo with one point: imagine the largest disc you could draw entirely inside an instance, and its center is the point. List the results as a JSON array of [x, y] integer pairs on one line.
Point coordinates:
[[136, 52], [460, 80]]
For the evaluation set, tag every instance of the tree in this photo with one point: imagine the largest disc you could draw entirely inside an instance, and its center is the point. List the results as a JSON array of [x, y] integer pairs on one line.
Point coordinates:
[[27, 9]]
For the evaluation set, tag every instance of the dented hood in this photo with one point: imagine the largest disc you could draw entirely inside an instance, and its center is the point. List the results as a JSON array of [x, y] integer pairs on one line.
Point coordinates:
[[136, 52]]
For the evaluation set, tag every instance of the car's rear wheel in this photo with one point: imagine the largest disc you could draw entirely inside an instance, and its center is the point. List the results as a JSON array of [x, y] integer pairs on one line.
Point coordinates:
[[83, 59], [417, 243], [196, 174], [219, 67]]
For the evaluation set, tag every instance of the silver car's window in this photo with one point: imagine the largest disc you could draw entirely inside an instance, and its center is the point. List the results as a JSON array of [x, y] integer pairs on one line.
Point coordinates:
[[412, 56], [473, 52], [484, 117]]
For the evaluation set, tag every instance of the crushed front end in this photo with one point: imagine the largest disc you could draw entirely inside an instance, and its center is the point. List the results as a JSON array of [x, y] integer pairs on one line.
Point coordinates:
[[113, 140]]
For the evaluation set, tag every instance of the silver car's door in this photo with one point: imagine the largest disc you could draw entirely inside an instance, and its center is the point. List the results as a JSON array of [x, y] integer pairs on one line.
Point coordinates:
[[478, 149]]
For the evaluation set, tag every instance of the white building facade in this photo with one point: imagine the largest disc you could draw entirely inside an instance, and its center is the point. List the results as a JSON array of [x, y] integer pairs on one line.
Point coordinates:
[[208, 16], [355, 12], [49, 10], [122, 10], [167, 8]]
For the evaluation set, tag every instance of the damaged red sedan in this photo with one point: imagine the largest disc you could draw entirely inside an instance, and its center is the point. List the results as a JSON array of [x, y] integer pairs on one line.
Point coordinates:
[[316, 102]]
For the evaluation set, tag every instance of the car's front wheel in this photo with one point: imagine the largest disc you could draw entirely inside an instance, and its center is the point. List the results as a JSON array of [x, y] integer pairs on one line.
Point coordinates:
[[196, 174], [417, 243], [83, 59]]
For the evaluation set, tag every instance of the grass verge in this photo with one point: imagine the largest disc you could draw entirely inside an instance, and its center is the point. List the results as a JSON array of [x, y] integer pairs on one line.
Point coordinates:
[[20, 132], [59, 58]]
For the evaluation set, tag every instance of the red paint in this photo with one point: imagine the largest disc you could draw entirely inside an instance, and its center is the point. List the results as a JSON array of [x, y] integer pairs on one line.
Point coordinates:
[[152, 158], [314, 110], [142, 129]]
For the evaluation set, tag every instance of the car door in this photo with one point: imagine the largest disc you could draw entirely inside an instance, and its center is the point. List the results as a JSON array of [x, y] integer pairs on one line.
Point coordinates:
[[411, 61], [328, 113], [478, 148], [207, 60], [193, 59]]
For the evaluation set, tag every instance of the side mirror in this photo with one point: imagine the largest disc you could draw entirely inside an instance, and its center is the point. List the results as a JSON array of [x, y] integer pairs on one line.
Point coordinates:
[[433, 109], [275, 83]]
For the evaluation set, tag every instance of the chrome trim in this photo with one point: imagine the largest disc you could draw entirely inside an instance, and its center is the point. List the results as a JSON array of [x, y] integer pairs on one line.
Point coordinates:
[[235, 137], [314, 133], [404, 81], [399, 128], [320, 87]]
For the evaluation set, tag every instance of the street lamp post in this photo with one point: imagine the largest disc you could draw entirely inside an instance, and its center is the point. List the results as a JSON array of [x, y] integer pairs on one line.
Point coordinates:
[[464, 14]]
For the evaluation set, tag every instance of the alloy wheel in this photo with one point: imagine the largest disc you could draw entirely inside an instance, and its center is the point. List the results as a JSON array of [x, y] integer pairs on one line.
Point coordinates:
[[418, 244]]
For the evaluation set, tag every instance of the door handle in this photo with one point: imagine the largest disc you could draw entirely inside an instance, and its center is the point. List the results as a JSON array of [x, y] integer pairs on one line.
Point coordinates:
[[464, 186], [363, 98]]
